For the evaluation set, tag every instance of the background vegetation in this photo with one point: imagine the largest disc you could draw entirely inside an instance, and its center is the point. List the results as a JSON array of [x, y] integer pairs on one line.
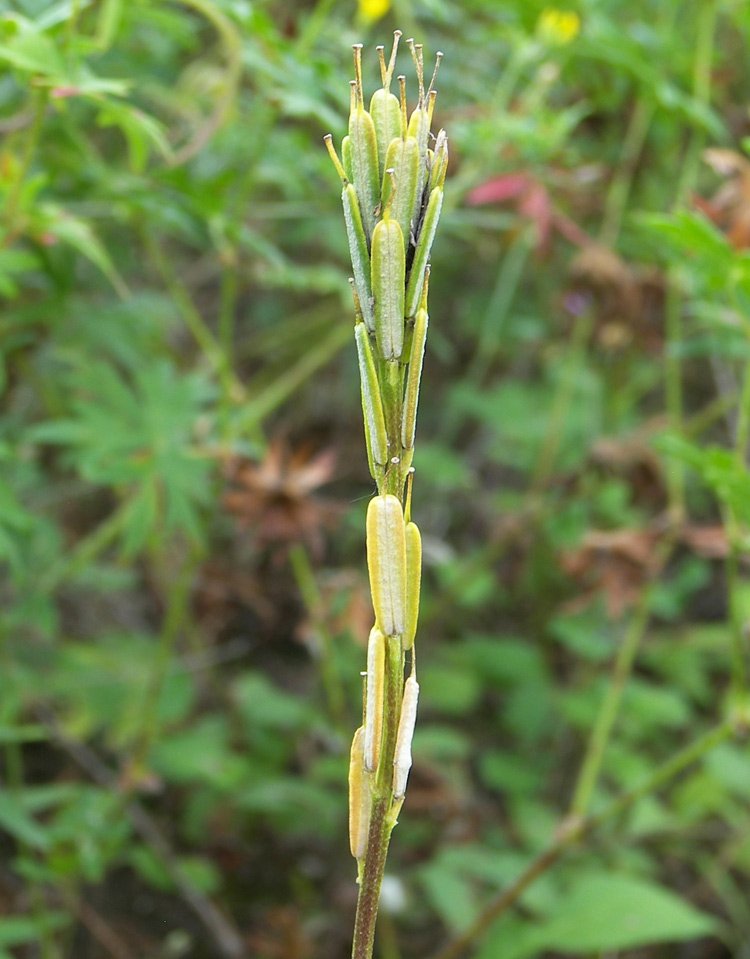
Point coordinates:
[[184, 596]]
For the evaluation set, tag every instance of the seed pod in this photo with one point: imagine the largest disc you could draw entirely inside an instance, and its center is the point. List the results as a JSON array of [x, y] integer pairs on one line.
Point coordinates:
[[422, 253], [364, 145], [403, 159], [360, 799], [385, 111], [388, 270], [385, 108], [402, 754], [346, 158], [413, 377], [413, 582], [386, 561], [372, 403], [359, 253], [374, 701]]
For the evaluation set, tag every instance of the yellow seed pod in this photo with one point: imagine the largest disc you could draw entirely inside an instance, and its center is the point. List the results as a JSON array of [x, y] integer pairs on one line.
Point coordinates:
[[360, 800], [413, 582], [386, 561], [375, 699]]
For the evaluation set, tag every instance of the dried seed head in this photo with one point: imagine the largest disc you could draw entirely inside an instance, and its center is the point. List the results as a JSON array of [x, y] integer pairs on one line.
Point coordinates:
[[386, 561]]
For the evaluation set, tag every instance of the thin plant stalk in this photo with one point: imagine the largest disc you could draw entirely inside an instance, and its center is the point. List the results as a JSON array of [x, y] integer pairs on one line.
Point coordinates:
[[308, 587], [705, 38], [607, 715]]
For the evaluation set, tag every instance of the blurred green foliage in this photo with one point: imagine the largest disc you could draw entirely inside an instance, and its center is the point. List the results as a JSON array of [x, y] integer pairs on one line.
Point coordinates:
[[177, 372]]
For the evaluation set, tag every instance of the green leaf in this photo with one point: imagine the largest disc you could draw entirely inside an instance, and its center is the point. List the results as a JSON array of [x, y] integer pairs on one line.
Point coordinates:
[[15, 820], [80, 235], [33, 51], [18, 930], [603, 912]]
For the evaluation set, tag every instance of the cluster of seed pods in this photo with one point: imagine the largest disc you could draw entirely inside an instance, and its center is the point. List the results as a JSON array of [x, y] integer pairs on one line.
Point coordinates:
[[392, 169]]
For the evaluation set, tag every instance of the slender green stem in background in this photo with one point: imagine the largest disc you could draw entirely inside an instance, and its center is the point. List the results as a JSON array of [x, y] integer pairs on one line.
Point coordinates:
[[256, 408], [621, 671], [313, 27], [10, 211], [227, 307], [14, 780], [87, 549], [622, 181], [178, 603], [232, 389], [673, 394], [737, 614], [232, 46], [508, 280], [705, 35], [561, 402], [308, 587], [574, 830]]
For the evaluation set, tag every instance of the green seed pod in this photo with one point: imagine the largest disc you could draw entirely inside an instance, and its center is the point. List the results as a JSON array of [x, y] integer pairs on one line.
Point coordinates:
[[364, 146], [372, 403], [359, 253], [404, 737], [385, 110], [346, 158], [411, 394], [375, 699], [386, 561], [413, 582], [360, 799], [403, 159], [388, 270], [422, 253]]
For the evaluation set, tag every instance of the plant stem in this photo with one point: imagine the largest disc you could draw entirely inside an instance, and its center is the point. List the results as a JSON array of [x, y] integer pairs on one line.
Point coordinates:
[[605, 720], [308, 587], [573, 830], [12, 204], [232, 389], [561, 402], [622, 181], [508, 279], [176, 613], [705, 33]]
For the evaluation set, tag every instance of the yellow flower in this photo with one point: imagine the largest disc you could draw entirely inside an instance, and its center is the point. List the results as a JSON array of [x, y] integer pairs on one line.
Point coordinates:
[[558, 27], [372, 10]]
